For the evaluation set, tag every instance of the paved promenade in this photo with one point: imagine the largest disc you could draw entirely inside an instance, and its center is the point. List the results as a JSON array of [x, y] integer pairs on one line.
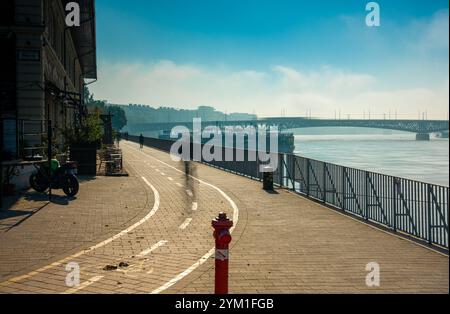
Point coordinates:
[[150, 233]]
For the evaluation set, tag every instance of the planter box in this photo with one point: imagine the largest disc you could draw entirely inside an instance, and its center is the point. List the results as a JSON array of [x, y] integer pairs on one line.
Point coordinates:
[[85, 154]]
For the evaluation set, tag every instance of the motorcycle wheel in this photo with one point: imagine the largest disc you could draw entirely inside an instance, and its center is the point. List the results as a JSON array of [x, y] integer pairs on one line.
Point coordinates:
[[36, 184], [71, 185]]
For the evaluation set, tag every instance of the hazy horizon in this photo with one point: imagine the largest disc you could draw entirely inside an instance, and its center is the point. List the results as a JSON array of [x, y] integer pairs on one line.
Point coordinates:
[[292, 58]]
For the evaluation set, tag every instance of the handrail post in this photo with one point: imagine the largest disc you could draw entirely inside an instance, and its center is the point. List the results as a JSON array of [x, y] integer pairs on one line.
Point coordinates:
[[292, 163], [307, 176], [324, 178], [430, 233], [292, 173], [258, 173], [366, 187], [343, 188], [281, 168], [394, 205]]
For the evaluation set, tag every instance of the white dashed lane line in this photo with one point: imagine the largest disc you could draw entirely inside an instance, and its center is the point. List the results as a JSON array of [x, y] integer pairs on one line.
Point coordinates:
[[194, 206], [189, 192], [152, 248], [83, 285], [185, 223], [94, 247]]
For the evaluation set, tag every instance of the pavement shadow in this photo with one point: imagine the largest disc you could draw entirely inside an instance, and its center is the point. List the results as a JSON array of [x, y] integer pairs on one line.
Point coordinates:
[[56, 199], [271, 192], [86, 178], [9, 201], [17, 213], [11, 213]]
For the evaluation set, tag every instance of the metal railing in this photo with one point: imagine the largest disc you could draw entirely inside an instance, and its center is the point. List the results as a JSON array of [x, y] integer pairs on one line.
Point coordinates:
[[415, 208]]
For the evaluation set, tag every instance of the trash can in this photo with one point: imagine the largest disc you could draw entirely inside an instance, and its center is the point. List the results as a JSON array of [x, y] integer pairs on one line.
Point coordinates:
[[268, 179]]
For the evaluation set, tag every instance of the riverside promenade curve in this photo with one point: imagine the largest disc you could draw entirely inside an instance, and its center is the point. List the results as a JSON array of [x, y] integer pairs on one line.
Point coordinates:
[[282, 242], [285, 243]]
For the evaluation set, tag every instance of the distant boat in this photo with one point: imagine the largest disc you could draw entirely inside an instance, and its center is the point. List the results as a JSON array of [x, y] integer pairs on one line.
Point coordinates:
[[443, 134], [285, 140]]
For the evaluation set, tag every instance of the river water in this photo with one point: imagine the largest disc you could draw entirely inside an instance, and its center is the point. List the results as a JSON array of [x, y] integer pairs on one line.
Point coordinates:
[[383, 151]]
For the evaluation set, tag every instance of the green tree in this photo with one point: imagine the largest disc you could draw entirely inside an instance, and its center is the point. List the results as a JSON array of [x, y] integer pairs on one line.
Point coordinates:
[[88, 97], [92, 132], [91, 102], [119, 119]]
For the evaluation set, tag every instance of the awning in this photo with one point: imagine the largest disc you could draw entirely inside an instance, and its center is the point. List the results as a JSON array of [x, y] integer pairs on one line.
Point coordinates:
[[85, 38]]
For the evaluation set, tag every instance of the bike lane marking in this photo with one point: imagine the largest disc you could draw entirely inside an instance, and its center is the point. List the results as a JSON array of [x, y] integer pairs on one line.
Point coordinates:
[[99, 277], [98, 245], [185, 223], [205, 257], [152, 248], [85, 284]]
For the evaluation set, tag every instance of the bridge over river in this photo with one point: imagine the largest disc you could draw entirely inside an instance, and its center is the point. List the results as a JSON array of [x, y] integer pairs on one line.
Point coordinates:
[[422, 128]]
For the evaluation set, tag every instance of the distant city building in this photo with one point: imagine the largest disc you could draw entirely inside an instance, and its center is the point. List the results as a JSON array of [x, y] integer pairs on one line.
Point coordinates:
[[137, 114], [44, 66]]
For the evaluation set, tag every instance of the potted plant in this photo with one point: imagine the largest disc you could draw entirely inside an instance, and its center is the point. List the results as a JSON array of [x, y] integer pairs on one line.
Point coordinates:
[[83, 144]]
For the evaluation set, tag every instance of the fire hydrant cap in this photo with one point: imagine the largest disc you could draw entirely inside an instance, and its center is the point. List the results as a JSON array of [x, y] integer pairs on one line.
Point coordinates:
[[222, 221], [222, 216]]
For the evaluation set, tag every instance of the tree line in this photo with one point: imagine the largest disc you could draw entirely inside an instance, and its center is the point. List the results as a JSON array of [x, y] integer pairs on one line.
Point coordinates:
[[139, 113]]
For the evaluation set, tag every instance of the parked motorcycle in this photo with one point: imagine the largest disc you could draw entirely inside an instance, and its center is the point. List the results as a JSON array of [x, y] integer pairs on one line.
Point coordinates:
[[64, 177]]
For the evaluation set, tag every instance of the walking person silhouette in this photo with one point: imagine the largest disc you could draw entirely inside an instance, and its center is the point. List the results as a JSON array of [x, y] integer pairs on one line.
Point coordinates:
[[141, 140], [189, 173]]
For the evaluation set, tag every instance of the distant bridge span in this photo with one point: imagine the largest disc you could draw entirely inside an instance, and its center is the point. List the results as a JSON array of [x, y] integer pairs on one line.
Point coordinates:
[[285, 123]]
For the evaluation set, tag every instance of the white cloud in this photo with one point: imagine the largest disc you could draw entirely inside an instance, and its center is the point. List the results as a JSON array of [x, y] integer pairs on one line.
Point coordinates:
[[295, 79], [434, 33], [324, 91]]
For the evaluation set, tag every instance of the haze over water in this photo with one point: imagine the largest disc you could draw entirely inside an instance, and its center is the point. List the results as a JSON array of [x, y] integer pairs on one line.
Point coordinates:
[[383, 151]]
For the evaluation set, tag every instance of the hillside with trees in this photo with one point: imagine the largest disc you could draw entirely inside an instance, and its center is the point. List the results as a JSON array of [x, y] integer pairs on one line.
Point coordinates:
[[139, 113], [146, 114], [119, 119]]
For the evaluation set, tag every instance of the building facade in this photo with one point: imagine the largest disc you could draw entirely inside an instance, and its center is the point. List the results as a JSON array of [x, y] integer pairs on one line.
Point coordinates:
[[45, 65]]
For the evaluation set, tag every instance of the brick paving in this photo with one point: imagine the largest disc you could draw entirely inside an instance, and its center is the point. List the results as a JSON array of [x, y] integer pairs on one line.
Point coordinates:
[[282, 242], [33, 231]]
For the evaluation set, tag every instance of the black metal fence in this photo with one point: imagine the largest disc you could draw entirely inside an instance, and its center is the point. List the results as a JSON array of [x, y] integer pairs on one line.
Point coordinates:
[[415, 208]]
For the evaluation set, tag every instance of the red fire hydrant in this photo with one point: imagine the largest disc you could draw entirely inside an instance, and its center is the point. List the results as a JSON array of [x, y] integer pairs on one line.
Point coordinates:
[[222, 235]]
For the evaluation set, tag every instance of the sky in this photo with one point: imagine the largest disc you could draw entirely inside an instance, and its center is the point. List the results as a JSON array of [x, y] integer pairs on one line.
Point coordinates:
[[276, 58]]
